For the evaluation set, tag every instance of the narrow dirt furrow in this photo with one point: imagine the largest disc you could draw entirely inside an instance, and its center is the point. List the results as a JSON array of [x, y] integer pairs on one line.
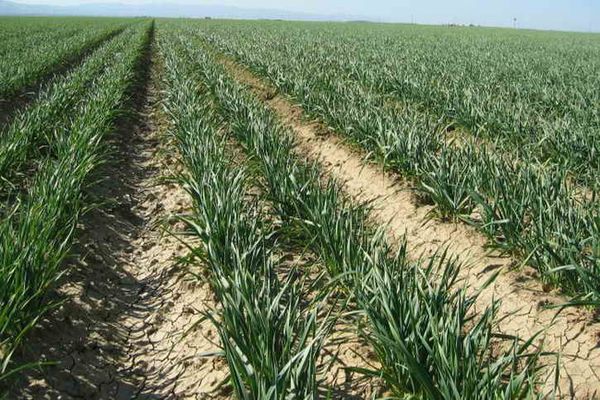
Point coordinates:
[[571, 332], [347, 353], [130, 325]]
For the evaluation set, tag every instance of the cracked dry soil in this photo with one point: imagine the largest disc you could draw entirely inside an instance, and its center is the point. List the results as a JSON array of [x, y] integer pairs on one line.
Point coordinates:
[[130, 325]]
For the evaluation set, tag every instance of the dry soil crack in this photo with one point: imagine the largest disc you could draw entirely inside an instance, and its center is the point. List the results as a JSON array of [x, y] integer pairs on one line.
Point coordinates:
[[128, 326]]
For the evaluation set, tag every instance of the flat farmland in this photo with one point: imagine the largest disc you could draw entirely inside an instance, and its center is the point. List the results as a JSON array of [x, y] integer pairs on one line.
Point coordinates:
[[229, 209]]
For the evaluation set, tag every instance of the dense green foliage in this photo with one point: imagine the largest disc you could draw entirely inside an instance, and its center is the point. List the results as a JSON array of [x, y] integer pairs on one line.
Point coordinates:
[[498, 129], [533, 91], [32, 133], [32, 49], [38, 223], [495, 126], [429, 344], [270, 340]]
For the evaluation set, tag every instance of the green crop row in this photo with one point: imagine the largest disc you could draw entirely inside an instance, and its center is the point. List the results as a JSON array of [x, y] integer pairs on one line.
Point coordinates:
[[527, 208], [421, 325], [269, 338], [28, 60], [33, 133], [36, 234], [22, 27], [534, 93]]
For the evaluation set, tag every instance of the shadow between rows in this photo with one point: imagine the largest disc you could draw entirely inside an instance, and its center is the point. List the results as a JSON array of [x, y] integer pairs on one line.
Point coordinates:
[[85, 336]]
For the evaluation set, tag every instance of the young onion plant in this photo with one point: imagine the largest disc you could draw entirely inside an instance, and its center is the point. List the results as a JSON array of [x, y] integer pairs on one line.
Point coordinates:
[[32, 132], [428, 338], [34, 58], [429, 341], [400, 111], [36, 235], [269, 337]]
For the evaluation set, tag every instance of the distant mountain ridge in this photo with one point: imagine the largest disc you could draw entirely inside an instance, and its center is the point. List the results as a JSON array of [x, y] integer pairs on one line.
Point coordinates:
[[163, 10]]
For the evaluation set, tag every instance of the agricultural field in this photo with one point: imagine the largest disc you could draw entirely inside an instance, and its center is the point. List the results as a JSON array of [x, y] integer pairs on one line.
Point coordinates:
[[215, 209]]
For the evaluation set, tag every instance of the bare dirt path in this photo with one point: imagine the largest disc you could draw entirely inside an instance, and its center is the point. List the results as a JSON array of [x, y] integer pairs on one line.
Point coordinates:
[[128, 327], [572, 332]]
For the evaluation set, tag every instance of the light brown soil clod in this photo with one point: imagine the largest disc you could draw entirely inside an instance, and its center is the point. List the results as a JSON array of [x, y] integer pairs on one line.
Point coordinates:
[[571, 332]]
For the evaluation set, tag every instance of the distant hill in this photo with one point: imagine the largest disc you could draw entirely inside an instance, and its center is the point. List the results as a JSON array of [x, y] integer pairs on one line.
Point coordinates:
[[10, 8], [163, 10]]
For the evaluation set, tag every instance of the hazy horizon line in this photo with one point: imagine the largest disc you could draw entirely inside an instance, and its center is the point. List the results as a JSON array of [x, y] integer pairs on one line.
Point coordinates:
[[292, 15]]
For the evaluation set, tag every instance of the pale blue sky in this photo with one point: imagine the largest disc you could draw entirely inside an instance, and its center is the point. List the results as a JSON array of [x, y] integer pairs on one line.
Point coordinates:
[[581, 15]]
